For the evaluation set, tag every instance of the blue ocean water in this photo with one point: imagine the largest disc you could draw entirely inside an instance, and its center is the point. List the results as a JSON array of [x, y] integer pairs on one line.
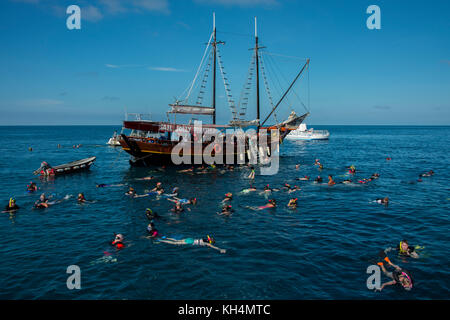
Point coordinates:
[[319, 251]]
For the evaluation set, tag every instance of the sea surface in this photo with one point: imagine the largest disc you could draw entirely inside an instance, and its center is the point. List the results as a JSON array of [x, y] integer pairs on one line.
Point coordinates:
[[321, 250]]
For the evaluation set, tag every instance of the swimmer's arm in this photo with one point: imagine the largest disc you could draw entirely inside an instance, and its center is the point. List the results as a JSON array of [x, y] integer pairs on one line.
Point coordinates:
[[414, 255], [214, 247], [141, 195]]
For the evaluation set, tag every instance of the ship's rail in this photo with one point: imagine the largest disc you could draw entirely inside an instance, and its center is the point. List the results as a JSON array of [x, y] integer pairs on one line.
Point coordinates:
[[310, 132], [138, 117]]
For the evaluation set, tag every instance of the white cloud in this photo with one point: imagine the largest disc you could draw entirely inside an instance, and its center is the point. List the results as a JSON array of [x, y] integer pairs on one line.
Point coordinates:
[[91, 13], [166, 69], [39, 102]]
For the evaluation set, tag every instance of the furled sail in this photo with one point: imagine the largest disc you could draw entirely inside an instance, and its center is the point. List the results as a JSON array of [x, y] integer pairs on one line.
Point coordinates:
[[188, 109]]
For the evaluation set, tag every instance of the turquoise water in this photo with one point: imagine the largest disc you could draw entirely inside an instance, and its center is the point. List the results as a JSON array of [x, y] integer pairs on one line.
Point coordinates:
[[319, 251]]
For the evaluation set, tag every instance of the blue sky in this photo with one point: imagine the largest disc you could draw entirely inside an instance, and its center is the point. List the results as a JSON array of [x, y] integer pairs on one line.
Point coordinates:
[[140, 54]]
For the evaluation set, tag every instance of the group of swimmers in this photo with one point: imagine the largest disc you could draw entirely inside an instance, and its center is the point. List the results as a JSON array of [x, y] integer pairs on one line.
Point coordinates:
[[399, 276], [153, 233]]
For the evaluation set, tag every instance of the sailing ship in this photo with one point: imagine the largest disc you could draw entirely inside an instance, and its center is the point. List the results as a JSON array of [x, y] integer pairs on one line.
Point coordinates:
[[152, 142]]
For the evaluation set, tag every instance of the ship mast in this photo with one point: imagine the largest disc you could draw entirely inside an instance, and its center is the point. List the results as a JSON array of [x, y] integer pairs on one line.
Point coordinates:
[[214, 45], [257, 71]]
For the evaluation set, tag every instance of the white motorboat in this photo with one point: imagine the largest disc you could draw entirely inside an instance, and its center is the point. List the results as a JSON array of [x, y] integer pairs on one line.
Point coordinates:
[[302, 133], [114, 140]]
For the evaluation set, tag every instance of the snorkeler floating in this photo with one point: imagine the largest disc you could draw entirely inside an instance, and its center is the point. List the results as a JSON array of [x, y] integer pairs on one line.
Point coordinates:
[[150, 214], [292, 203], [399, 276], [11, 206], [404, 249], [331, 182], [32, 187], [227, 210], [384, 201], [427, 174], [153, 232], [352, 169], [158, 188], [81, 198], [118, 241], [208, 242]]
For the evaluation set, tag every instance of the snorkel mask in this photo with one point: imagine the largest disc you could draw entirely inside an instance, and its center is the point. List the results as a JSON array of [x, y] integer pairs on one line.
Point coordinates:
[[400, 247], [409, 287], [210, 239]]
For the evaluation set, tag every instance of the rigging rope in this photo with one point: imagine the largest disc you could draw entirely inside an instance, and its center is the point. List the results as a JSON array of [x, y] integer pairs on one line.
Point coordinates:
[[226, 85], [198, 69], [266, 85], [243, 99], [201, 93]]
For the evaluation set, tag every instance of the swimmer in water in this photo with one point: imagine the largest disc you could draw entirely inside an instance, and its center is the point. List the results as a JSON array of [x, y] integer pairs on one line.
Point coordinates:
[[11, 206], [305, 178], [118, 241], [346, 181], [297, 166], [209, 241], [191, 169], [384, 201], [146, 178], [131, 192], [251, 189], [227, 210], [293, 189], [271, 204], [192, 201], [252, 173], [158, 189], [292, 203], [399, 276], [404, 249], [228, 197], [318, 179], [150, 214], [153, 232], [32, 187], [330, 180], [81, 198], [178, 208], [317, 162], [103, 185], [375, 176], [352, 169], [427, 174], [42, 202]]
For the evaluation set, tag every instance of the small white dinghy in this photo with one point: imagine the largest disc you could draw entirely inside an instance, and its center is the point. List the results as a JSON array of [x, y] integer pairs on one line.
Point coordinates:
[[114, 140], [302, 133]]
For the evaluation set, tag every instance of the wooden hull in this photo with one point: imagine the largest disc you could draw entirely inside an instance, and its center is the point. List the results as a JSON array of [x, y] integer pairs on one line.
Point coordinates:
[[155, 152]]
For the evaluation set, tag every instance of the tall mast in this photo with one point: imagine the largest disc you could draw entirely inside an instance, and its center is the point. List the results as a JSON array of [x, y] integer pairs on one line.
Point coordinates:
[[214, 67], [257, 70]]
